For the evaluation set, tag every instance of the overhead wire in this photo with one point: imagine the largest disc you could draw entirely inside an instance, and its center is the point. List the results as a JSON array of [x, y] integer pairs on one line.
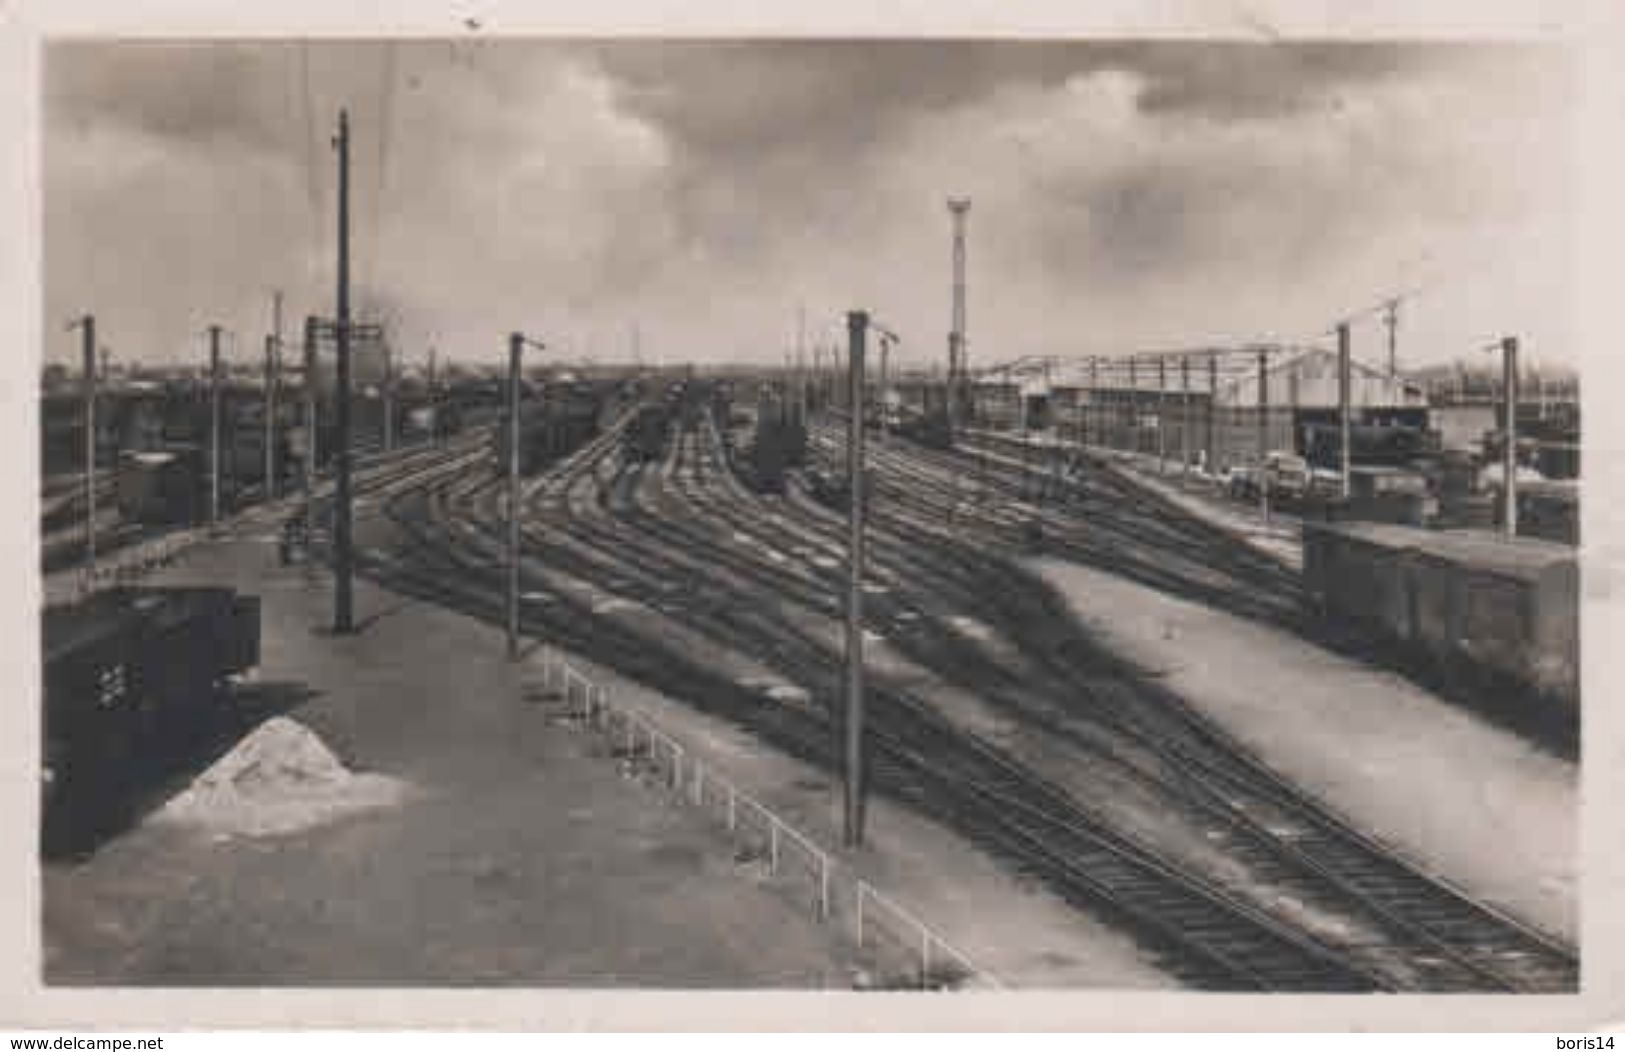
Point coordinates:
[[313, 187], [386, 94]]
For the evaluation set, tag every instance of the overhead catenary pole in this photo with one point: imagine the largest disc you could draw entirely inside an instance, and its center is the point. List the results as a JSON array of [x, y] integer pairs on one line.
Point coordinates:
[[434, 401], [343, 615], [268, 488], [1134, 405], [389, 396], [516, 350], [1091, 410], [856, 322], [801, 351], [1509, 448], [1263, 432], [958, 358], [1390, 318], [1185, 423], [885, 388], [1344, 460], [309, 466], [1162, 415], [1212, 409], [273, 375], [214, 426], [87, 335]]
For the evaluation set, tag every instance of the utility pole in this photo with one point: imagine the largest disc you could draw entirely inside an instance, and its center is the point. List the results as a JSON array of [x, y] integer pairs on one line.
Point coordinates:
[[1186, 425], [1091, 408], [1134, 405], [1390, 318], [309, 471], [1162, 415], [1509, 452], [87, 335], [1344, 378], [273, 371], [389, 398], [1263, 431], [801, 351], [958, 359], [885, 389], [343, 621], [214, 427], [269, 439], [1212, 410], [434, 403], [516, 350], [856, 324]]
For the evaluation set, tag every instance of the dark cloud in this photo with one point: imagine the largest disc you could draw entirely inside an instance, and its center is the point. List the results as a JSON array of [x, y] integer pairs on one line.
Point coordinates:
[[1119, 185], [739, 98], [185, 93], [1242, 81]]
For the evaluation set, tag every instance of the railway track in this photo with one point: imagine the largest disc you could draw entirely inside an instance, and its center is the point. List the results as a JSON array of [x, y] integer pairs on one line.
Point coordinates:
[[1219, 941], [1453, 941], [650, 534]]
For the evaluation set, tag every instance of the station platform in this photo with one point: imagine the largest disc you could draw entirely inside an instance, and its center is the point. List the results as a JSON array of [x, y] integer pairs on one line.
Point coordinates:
[[511, 856]]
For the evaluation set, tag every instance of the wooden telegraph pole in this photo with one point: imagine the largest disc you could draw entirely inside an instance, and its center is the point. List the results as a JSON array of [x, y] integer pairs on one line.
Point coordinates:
[[1509, 452], [309, 466], [1344, 428], [87, 333], [857, 322], [273, 370], [343, 613], [214, 427], [516, 350]]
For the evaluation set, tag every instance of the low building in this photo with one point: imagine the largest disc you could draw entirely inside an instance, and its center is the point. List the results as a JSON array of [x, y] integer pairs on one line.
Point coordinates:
[[1203, 407]]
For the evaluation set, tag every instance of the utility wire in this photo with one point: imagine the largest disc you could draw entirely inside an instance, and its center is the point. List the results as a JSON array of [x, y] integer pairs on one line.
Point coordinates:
[[386, 94], [314, 189]]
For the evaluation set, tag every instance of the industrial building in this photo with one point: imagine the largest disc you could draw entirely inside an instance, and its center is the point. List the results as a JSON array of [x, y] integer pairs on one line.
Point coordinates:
[[1207, 407]]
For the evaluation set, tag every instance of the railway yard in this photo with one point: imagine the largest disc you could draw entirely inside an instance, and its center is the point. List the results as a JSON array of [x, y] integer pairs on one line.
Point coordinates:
[[522, 601], [1004, 711]]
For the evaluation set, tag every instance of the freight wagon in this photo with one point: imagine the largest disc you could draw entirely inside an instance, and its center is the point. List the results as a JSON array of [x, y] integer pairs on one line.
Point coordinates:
[[1496, 614], [1392, 446], [130, 673], [646, 434], [559, 422], [161, 488]]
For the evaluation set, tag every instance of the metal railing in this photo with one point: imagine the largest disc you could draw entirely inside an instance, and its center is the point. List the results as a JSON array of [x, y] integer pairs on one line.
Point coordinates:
[[833, 893]]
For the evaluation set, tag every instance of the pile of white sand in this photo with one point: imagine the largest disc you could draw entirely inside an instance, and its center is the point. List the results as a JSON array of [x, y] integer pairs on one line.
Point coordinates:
[[279, 779]]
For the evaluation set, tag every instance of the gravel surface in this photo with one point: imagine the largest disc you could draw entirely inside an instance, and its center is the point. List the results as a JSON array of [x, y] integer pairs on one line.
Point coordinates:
[[517, 857], [1476, 804]]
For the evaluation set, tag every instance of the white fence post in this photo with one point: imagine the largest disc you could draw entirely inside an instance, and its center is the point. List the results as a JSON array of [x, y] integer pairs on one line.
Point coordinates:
[[772, 844], [823, 887]]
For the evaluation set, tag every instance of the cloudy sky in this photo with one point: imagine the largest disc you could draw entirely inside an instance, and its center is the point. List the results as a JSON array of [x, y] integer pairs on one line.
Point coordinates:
[[1126, 195]]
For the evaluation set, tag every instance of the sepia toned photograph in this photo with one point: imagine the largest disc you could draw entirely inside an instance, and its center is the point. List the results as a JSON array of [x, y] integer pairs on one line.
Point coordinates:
[[808, 514]]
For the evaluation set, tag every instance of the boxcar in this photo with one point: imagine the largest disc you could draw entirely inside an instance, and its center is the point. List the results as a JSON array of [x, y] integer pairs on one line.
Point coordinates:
[[126, 667], [160, 488]]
